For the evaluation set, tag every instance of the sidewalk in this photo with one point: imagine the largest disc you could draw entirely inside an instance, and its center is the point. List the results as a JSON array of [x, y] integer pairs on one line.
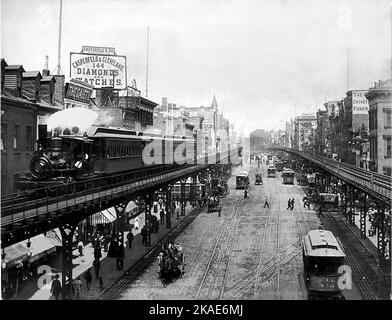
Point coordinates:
[[108, 272]]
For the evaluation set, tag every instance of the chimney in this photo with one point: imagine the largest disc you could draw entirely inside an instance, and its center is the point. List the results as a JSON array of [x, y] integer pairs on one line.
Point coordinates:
[[45, 71], [59, 89]]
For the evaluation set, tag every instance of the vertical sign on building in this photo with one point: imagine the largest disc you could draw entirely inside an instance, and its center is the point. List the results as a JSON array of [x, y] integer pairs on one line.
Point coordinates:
[[359, 102]]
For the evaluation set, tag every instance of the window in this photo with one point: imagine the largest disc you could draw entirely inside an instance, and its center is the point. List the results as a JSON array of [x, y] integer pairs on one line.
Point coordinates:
[[29, 138], [16, 140], [16, 182], [3, 143], [388, 122], [388, 153]]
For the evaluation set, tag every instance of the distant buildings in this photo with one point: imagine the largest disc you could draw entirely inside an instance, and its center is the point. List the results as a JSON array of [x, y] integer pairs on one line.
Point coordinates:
[[207, 124], [304, 132]]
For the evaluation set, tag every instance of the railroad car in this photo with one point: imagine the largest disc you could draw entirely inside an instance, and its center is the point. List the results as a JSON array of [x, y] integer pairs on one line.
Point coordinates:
[[322, 259], [66, 156], [242, 180], [288, 176], [271, 172], [258, 178]]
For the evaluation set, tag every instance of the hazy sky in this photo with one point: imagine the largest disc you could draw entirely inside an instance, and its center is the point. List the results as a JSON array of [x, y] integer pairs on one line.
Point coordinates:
[[260, 58]]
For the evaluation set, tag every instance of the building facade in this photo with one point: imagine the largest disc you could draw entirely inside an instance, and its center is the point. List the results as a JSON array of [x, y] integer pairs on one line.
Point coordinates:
[[380, 126]]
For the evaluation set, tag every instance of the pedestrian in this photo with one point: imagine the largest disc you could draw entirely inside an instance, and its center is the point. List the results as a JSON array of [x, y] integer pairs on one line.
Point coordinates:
[[97, 266], [78, 287], [304, 200], [320, 212], [246, 193], [199, 202], [120, 256], [80, 248], [143, 233], [160, 203], [130, 238], [288, 204], [97, 252], [88, 278], [112, 247], [292, 204], [266, 202], [155, 205], [308, 204], [162, 216], [137, 223], [56, 287]]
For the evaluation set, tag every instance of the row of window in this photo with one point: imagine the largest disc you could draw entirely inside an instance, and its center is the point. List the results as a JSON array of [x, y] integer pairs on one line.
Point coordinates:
[[122, 148], [17, 137]]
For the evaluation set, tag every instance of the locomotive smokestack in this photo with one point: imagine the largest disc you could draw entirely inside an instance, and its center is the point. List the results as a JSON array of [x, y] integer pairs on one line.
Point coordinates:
[[56, 143]]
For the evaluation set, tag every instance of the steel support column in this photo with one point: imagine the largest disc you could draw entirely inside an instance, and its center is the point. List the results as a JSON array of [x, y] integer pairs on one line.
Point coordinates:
[[363, 214], [193, 190], [182, 199], [381, 231], [120, 226], [148, 199], [67, 232], [168, 205]]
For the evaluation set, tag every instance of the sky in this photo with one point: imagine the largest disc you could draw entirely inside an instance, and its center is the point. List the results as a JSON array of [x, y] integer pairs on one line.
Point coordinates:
[[265, 60]]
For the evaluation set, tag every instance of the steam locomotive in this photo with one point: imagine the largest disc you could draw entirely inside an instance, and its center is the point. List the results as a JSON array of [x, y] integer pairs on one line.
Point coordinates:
[[65, 156]]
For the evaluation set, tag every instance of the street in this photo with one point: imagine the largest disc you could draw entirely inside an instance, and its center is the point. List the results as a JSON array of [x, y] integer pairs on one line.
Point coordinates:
[[250, 252]]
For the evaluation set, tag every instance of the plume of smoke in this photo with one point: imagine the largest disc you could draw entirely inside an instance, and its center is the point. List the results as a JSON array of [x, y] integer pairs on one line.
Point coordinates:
[[79, 117], [104, 118]]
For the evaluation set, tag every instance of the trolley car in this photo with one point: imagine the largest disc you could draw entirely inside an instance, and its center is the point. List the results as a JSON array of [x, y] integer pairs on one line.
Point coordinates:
[[242, 180], [259, 178], [322, 259], [271, 172], [288, 176]]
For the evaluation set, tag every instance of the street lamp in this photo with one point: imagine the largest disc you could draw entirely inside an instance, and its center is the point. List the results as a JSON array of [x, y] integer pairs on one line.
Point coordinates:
[[3, 263]]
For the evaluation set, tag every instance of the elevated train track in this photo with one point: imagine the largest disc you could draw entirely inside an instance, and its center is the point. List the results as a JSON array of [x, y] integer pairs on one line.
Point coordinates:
[[46, 208], [377, 185]]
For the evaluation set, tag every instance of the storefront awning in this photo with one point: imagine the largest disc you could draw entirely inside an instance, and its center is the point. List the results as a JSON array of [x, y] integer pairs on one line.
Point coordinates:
[[15, 254], [41, 246], [103, 217]]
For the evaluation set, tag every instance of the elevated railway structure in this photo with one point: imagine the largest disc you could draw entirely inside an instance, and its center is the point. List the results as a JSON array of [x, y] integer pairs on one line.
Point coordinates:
[[359, 190], [64, 206]]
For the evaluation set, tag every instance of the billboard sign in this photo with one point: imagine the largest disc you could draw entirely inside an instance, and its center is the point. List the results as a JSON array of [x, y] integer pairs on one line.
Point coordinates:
[[359, 102], [78, 91], [99, 70]]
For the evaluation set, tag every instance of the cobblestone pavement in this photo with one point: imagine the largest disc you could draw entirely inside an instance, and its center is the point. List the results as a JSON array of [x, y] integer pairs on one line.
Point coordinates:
[[250, 252]]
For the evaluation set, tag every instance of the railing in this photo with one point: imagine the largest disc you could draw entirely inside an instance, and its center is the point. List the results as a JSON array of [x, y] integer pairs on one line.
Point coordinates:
[[378, 183]]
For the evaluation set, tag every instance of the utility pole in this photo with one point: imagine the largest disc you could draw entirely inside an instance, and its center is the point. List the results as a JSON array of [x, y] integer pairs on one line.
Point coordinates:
[[148, 41], [348, 69], [59, 44]]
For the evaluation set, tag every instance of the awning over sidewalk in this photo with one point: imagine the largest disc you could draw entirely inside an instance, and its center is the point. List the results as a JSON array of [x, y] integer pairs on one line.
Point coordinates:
[[103, 217], [41, 246], [17, 253]]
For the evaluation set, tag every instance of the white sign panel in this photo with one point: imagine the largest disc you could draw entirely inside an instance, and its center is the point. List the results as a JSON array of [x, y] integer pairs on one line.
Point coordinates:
[[99, 70], [360, 103]]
